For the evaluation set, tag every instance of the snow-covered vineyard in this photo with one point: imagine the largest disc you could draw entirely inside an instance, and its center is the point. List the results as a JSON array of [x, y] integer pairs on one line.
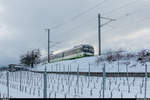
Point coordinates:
[[30, 84], [71, 86]]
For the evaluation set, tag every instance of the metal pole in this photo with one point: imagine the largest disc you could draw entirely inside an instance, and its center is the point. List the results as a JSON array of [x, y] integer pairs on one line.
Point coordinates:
[[89, 70], [145, 81], [20, 79], [99, 33], [127, 74], [32, 60], [99, 30], [48, 45], [7, 84], [104, 78], [68, 71], [89, 75], [45, 84], [68, 79], [78, 79], [118, 69]]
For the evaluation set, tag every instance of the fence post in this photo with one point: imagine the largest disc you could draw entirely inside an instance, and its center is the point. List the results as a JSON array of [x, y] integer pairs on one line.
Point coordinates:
[[64, 70], [20, 79], [68, 78], [7, 84], [127, 74], [68, 70], [68, 75], [45, 84], [89, 70], [89, 76], [52, 68], [59, 68], [78, 79], [27, 77], [145, 81], [56, 68], [104, 79], [118, 69]]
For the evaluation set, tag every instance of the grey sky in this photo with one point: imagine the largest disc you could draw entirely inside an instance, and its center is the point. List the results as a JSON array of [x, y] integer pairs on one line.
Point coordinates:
[[22, 24]]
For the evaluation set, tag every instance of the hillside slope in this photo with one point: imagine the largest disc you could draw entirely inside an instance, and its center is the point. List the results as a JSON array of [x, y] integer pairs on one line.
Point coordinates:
[[83, 63]]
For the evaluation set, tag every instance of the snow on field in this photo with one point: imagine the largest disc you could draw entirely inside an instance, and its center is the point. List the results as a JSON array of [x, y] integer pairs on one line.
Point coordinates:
[[26, 84], [84, 63], [71, 86]]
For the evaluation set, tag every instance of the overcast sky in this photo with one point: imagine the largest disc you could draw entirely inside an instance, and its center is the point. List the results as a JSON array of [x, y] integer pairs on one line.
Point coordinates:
[[72, 22]]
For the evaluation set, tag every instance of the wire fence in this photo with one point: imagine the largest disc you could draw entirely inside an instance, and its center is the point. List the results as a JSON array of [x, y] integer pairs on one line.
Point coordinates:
[[28, 84]]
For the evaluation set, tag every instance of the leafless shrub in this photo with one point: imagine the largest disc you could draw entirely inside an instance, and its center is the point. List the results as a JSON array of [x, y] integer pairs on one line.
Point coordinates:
[[130, 55], [111, 56], [144, 56], [144, 53]]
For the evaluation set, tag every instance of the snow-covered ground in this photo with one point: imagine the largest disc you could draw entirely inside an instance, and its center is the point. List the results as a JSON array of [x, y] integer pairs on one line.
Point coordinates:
[[84, 64], [76, 86], [71, 86]]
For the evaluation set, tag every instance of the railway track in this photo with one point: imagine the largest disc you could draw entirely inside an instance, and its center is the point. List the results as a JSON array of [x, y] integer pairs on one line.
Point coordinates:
[[100, 74]]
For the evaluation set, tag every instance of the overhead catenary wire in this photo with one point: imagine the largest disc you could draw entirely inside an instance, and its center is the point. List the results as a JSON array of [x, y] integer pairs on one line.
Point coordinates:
[[128, 14], [90, 9], [78, 15], [137, 22], [128, 4], [79, 26], [121, 7]]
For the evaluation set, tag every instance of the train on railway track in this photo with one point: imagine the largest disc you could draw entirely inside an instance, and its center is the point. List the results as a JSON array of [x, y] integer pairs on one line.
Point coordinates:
[[78, 51]]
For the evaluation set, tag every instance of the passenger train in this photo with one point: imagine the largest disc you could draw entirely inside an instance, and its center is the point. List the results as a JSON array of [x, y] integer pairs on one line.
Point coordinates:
[[79, 51]]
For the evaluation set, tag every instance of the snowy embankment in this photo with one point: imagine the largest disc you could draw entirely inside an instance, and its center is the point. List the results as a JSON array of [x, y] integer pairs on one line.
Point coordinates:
[[84, 63]]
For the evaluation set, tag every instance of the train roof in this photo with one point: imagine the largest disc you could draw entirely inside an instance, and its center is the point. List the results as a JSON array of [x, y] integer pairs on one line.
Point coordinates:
[[77, 46], [83, 45]]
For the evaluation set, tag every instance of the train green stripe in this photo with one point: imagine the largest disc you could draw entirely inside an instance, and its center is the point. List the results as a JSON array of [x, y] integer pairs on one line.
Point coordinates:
[[79, 55]]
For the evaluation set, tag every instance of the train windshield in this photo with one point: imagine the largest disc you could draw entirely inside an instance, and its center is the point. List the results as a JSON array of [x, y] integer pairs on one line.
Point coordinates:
[[87, 48]]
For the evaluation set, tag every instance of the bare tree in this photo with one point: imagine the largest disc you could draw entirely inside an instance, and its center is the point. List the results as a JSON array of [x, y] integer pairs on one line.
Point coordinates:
[[31, 58]]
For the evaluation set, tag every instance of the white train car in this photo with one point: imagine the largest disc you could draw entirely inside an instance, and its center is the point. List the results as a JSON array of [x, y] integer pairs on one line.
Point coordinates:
[[74, 53]]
